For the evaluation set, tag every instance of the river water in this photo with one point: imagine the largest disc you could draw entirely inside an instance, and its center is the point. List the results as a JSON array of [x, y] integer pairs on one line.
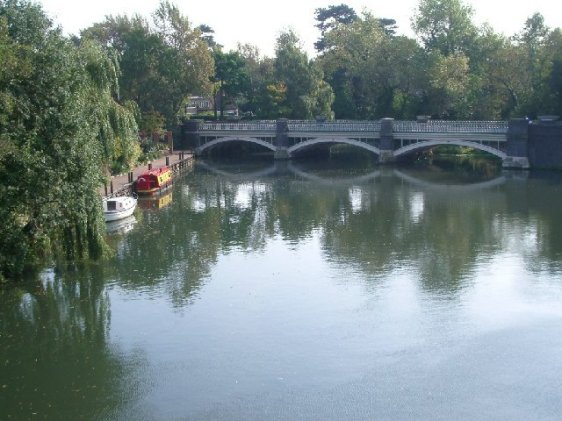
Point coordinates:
[[304, 292]]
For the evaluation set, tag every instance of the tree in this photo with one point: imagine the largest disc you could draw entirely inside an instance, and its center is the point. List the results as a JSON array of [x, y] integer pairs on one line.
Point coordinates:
[[445, 26], [373, 73], [553, 50], [307, 95], [208, 35], [330, 17], [449, 82], [162, 63], [532, 41], [256, 99], [60, 128], [489, 95], [230, 77]]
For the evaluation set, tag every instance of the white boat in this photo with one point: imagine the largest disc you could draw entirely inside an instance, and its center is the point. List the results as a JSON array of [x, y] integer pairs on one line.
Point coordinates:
[[121, 226], [119, 207]]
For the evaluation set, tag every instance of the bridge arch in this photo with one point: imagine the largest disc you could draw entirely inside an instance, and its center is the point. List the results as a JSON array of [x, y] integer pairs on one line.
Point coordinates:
[[429, 143], [220, 140], [334, 140]]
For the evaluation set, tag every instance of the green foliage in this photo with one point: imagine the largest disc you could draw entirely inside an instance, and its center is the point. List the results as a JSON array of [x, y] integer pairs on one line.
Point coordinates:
[[230, 78], [306, 93], [152, 122], [160, 63], [445, 26], [362, 62], [60, 127], [329, 18]]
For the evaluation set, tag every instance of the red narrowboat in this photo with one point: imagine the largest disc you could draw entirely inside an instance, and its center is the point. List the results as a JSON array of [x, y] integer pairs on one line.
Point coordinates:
[[154, 181]]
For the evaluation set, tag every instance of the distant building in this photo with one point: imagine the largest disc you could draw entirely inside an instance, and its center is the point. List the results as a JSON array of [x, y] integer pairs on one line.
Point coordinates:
[[198, 104]]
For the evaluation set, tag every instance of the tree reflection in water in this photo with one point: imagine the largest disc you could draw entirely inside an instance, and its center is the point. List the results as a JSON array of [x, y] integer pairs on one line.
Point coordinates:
[[56, 359]]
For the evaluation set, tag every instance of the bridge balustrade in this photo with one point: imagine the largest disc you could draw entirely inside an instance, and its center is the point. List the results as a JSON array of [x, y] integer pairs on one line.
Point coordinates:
[[333, 126], [442, 126], [261, 125], [431, 126]]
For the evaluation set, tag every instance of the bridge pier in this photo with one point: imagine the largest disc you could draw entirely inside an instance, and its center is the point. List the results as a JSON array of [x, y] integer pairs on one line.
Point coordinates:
[[281, 153], [517, 145], [190, 135], [516, 162], [281, 139], [387, 141]]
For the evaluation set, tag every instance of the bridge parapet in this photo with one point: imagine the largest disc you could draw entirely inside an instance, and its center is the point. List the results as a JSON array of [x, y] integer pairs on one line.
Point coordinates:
[[442, 126], [294, 125], [334, 126], [240, 126]]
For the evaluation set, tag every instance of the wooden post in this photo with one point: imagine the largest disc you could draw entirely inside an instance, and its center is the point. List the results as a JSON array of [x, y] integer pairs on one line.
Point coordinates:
[[167, 161], [111, 186], [105, 188], [149, 166]]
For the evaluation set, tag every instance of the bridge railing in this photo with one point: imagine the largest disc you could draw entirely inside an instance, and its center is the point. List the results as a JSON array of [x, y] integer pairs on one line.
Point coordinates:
[[431, 126], [442, 126], [261, 125], [333, 126]]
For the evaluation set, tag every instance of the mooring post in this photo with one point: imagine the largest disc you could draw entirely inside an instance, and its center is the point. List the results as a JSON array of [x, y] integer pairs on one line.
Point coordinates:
[[111, 186], [149, 166], [105, 187], [167, 161]]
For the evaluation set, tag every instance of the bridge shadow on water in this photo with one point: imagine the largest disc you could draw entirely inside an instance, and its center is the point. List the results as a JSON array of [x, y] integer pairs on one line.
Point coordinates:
[[349, 172]]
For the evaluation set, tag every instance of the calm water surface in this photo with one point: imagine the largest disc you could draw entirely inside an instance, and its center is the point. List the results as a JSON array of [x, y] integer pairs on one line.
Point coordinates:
[[290, 291]]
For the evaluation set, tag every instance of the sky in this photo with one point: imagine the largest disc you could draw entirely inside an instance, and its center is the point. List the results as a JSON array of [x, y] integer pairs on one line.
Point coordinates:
[[259, 22]]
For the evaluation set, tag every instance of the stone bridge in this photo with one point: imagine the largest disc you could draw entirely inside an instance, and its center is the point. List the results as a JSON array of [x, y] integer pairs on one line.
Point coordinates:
[[387, 138]]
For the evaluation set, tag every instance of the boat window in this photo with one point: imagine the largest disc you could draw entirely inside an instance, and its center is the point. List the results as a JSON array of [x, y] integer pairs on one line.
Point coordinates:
[[111, 205]]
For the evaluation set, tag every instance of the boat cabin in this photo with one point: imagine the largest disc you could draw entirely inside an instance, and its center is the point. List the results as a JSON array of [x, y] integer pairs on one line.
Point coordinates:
[[153, 181]]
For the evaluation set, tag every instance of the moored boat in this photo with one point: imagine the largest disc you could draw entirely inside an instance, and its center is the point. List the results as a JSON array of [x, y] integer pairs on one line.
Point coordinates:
[[119, 207], [157, 201], [154, 181]]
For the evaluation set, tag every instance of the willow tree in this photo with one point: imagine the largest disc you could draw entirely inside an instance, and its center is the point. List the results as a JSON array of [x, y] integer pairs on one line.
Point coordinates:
[[59, 128]]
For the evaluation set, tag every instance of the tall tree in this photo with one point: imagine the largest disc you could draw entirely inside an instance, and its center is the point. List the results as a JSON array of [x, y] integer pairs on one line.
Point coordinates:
[[445, 26], [230, 77], [371, 71], [532, 41], [330, 17], [260, 74], [307, 94]]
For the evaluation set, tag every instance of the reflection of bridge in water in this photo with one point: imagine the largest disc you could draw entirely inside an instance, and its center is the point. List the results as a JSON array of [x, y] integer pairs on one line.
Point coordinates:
[[449, 188], [386, 138], [289, 168]]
